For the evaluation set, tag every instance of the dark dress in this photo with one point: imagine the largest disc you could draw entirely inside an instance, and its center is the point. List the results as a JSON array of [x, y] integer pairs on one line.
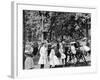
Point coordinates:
[[49, 49], [57, 53], [35, 50], [66, 50]]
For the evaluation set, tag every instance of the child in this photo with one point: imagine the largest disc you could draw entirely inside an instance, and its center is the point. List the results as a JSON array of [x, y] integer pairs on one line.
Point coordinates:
[[43, 56]]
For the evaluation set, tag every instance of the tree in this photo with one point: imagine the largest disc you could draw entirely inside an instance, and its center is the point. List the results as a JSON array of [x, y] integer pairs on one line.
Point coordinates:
[[69, 24], [57, 24]]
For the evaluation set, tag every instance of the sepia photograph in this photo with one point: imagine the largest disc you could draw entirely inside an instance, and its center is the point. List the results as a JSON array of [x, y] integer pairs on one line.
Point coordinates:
[[53, 39]]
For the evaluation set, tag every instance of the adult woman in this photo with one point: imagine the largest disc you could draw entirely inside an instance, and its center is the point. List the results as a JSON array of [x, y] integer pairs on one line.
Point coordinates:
[[84, 47], [63, 56], [66, 52], [35, 49], [29, 57], [73, 50]]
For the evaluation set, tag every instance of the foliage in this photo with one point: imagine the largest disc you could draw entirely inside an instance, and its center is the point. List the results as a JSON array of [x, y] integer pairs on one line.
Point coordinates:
[[57, 24]]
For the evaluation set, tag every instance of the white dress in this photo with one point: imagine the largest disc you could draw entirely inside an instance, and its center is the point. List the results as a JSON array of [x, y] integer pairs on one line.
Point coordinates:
[[43, 55], [73, 49], [29, 63], [63, 56], [53, 58]]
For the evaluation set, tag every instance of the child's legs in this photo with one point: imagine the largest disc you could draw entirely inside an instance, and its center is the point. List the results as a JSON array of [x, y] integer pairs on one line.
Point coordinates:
[[42, 66]]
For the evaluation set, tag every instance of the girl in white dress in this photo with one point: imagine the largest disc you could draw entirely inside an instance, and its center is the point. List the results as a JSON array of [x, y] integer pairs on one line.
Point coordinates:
[[43, 56], [53, 58]]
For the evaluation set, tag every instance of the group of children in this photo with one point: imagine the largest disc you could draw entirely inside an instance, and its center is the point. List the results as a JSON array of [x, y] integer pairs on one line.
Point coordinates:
[[55, 57], [52, 54]]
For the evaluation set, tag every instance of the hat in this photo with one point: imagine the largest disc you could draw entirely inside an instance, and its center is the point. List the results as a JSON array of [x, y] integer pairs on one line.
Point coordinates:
[[72, 42], [84, 38], [26, 51]]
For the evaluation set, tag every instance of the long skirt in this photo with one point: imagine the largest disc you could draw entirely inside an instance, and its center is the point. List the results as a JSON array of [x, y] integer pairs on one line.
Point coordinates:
[[54, 61], [29, 63], [43, 60]]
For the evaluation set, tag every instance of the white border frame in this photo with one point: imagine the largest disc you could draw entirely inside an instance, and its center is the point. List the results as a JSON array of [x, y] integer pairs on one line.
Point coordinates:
[[17, 28]]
